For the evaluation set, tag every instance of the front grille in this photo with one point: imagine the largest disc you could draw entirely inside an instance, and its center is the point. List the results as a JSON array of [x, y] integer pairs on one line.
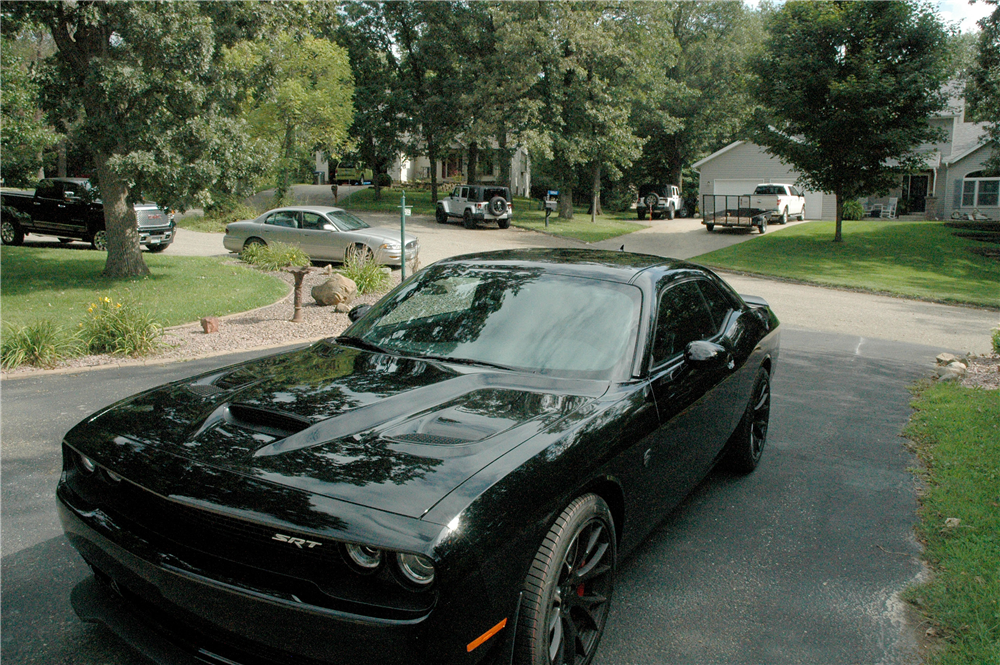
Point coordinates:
[[246, 554]]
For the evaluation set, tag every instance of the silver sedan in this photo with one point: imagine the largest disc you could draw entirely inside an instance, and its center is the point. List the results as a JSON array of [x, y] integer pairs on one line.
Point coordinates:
[[324, 233]]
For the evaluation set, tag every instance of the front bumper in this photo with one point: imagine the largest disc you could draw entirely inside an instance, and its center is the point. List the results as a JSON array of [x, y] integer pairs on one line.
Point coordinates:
[[156, 235], [217, 620]]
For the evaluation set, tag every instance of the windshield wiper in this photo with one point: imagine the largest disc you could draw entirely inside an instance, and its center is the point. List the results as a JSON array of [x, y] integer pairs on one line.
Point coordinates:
[[470, 361], [359, 343]]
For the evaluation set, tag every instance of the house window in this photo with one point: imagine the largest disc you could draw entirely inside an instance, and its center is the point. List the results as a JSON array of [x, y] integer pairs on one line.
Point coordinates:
[[454, 165], [978, 191]]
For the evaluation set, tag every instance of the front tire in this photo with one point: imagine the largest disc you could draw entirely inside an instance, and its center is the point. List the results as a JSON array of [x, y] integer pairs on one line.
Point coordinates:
[[360, 253], [100, 241], [156, 249], [567, 593], [440, 215], [747, 443], [11, 232]]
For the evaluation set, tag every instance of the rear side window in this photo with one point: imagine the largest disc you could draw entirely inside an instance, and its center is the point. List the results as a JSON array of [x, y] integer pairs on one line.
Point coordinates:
[[286, 219], [47, 189]]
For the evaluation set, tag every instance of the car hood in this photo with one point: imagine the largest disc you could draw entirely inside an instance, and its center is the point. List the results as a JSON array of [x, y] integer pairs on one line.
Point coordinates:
[[391, 433], [383, 234]]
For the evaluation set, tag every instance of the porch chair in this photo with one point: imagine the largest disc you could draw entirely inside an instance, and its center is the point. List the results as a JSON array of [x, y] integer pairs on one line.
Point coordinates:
[[889, 211]]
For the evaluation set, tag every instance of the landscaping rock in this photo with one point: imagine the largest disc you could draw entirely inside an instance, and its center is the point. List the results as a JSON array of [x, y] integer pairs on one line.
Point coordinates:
[[334, 291], [343, 308], [946, 358], [210, 324]]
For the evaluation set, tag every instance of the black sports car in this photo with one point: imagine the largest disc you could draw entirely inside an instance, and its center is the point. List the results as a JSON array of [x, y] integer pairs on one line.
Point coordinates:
[[452, 480]]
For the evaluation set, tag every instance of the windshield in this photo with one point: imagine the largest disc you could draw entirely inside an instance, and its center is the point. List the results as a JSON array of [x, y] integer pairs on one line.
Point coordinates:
[[522, 319], [347, 222]]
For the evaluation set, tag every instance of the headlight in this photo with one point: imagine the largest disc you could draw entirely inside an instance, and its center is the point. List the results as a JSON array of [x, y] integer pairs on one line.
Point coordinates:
[[391, 246], [416, 568], [367, 558], [87, 464]]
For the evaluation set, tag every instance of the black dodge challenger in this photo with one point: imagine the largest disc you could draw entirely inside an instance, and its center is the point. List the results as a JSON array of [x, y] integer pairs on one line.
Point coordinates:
[[452, 480]]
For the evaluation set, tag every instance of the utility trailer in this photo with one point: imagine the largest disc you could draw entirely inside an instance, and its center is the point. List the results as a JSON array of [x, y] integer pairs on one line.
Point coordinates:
[[732, 210]]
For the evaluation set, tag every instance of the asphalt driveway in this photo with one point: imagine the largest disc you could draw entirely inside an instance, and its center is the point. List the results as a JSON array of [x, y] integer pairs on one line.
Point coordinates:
[[800, 562]]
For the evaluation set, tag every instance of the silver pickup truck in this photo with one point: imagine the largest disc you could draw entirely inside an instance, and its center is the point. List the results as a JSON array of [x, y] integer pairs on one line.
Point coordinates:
[[781, 200]]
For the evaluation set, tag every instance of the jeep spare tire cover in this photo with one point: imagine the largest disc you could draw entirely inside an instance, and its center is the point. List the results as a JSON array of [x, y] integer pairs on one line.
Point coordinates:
[[498, 205], [651, 200]]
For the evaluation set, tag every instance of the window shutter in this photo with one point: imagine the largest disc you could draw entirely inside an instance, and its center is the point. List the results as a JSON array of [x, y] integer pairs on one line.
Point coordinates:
[[956, 201]]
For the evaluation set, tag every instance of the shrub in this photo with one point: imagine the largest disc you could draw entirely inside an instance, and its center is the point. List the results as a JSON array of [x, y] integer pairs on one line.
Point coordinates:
[[853, 210], [996, 341], [274, 256], [41, 344], [384, 180], [621, 197], [122, 327], [366, 273]]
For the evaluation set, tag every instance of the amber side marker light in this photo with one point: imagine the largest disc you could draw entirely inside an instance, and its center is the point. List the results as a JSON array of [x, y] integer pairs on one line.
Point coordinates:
[[485, 636]]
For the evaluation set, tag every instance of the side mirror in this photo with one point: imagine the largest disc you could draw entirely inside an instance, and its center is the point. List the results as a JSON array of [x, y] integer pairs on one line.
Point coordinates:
[[357, 312], [329, 227], [708, 355]]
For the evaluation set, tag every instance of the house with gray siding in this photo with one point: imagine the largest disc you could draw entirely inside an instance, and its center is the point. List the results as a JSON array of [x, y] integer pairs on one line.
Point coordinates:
[[952, 182]]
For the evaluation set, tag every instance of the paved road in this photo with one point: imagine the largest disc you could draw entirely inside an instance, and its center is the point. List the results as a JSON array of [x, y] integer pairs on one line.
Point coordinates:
[[801, 562]]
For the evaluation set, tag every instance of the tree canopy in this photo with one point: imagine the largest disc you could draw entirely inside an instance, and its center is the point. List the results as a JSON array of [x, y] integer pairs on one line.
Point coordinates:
[[846, 91], [984, 81]]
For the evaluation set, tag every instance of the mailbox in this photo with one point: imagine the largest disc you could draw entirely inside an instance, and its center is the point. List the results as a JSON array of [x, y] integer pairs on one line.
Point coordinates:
[[551, 200]]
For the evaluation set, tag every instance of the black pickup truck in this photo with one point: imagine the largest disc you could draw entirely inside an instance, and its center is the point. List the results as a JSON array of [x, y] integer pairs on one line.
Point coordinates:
[[71, 209]]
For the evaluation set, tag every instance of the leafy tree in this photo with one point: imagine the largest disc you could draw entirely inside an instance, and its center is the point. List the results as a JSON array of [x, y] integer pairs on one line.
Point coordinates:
[[588, 81], [298, 92], [694, 103], [846, 90], [140, 84], [24, 133], [984, 82], [377, 131]]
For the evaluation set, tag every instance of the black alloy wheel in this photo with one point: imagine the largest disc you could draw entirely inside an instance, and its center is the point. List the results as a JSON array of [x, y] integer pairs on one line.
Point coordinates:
[[567, 593], [467, 220], [440, 215], [11, 232], [747, 443]]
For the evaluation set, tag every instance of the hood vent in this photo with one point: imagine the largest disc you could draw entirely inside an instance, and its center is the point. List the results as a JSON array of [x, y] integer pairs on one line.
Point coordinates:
[[271, 423]]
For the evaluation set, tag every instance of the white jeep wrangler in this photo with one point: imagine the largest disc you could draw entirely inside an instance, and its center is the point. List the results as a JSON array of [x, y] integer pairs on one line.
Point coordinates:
[[477, 203]]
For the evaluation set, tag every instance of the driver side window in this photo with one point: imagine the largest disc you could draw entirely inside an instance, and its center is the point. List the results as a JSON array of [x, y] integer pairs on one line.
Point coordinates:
[[312, 221], [682, 317]]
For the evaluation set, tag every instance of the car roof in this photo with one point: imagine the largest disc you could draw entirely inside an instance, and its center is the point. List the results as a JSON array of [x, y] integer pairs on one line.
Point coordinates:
[[621, 267], [322, 209]]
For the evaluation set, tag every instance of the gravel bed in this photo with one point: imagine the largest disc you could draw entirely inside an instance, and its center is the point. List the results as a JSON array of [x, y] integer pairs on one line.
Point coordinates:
[[268, 326], [983, 372]]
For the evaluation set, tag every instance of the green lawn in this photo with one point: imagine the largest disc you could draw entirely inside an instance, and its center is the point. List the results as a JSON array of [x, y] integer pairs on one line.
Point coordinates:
[[59, 284], [957, 437], [912, 259]]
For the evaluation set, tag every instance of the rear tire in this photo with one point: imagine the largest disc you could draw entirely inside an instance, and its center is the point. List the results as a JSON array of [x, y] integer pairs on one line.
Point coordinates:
[[11, 232], [504, 223], [747, 443], [784, 217], [467, 220], [641, 215], [670, 212], [802, 215], [100, 241], [568, 591], [254, 241]]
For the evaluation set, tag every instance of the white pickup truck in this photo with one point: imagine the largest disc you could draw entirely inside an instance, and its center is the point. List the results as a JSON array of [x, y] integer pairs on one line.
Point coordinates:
[[782, 201]]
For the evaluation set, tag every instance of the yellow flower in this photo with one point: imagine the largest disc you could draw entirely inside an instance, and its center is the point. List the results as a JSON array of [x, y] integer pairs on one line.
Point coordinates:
[[118, 304]]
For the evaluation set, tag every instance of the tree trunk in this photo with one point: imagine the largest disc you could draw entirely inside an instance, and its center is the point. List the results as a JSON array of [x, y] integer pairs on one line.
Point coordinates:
[[837, 237], [506, 157], [595, 194], [287, 160], [61, 158], [566, 203], [124, 254], [432, 156], [473, 163]]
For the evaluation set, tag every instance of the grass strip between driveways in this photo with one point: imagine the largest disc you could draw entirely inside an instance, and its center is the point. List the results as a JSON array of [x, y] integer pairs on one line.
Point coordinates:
[[956, 434], [59, 284], [921, 260]]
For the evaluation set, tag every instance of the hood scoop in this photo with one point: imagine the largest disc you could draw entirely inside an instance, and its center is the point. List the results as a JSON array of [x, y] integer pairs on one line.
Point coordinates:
[[272, 424]]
